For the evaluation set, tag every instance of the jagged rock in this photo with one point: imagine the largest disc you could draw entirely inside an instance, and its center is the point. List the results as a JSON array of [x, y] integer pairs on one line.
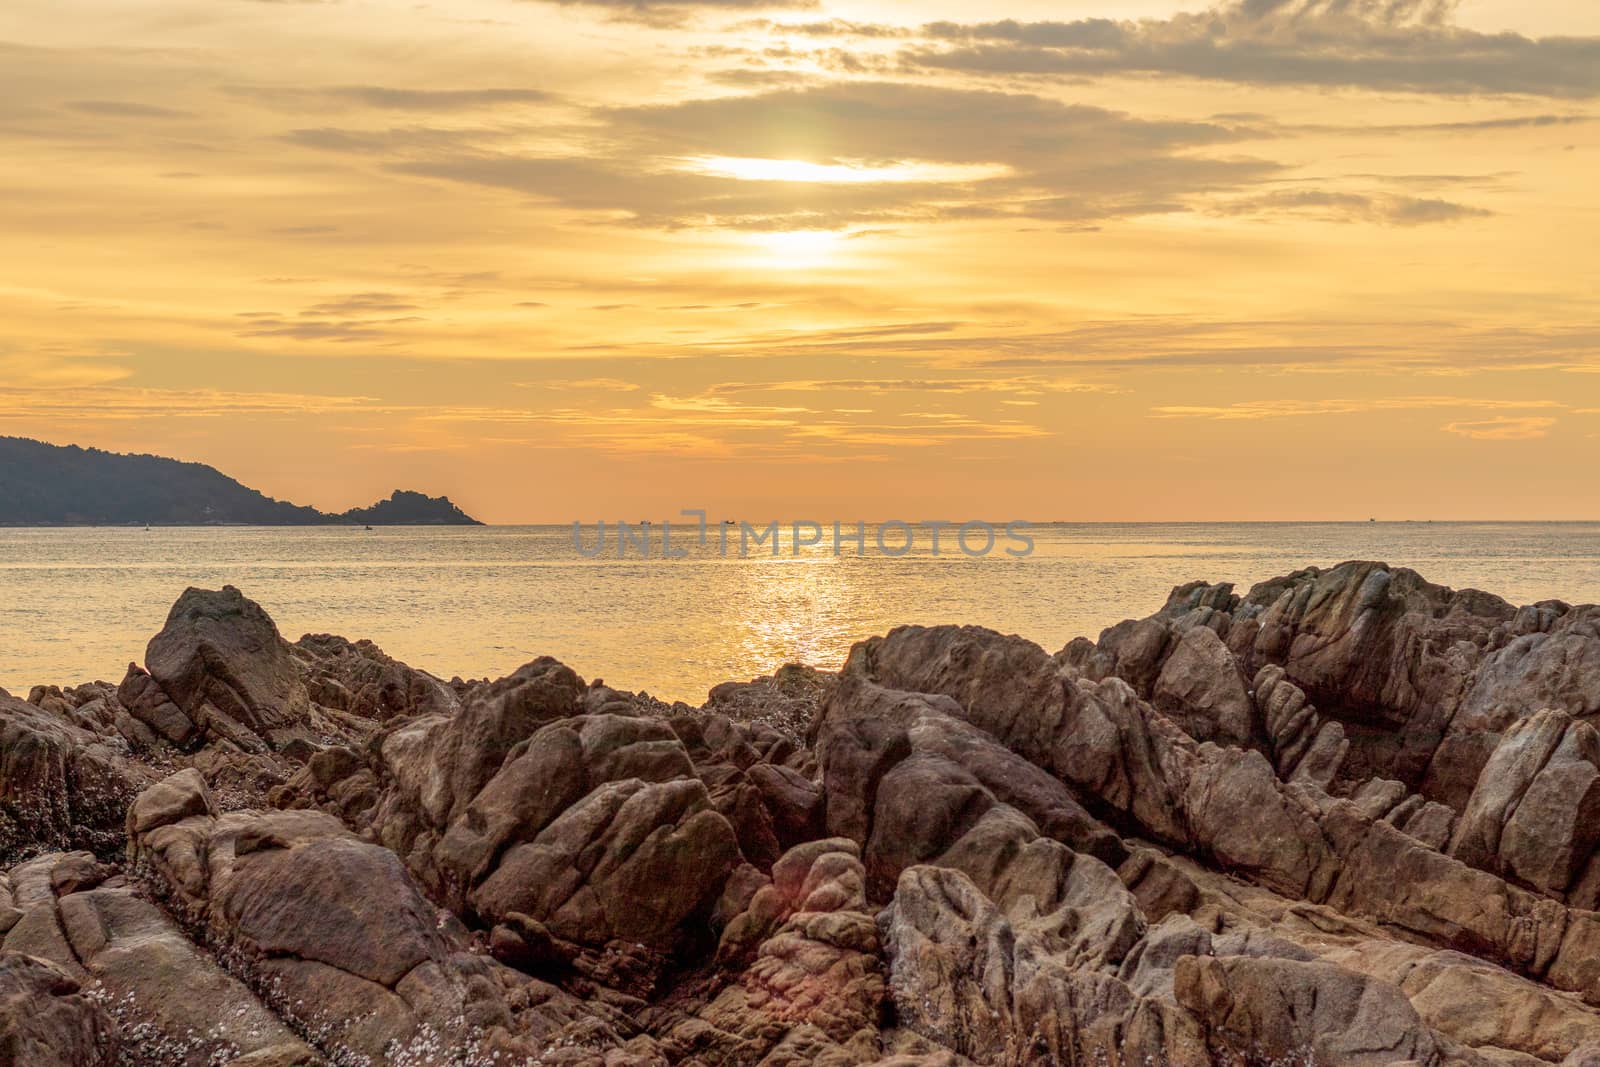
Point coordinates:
[[795, 804], [958, 851], [785, 702], [1535, 813], [545, 776], [1322, 760], [147, 702], [329, 930], [169, 801], [61, 786], [434, 766], [867, 732], [1431, 823], [968, 976], [631, 861], [358, 678], [1265, 1010], [1477, 1003], [222, 662], [1105, 743], [1201, 688], [811, 989], [759, 779], [47, 1021], [169, 1001]]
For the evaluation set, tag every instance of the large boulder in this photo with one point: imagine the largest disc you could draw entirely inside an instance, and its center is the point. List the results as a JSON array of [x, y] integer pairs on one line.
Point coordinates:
[[171, 1002], [632, 862], [1201, 687], [46, 1020], [964, 973], [1535, 813], [329, 930], [221, 661], [1108, 746], [1260, 1009]]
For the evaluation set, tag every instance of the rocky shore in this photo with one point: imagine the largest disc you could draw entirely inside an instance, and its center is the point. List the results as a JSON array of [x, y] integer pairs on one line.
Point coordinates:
[[1347, 817]]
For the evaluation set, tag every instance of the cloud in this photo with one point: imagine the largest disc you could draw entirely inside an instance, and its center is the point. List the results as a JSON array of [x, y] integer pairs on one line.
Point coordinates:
[[128, 403], [1512, 122], [645, 6], [345, 319], [676, 12], [1386, 45], [919, 435], [610, 385], [892, 121], [1333, 206], [360, 304], [1257, 410], [1028, 385], [826, 28], [41, 371], [125, 109], [1503, 428], [1388, 344], [389, 98], [1045, 159], [410, 139]]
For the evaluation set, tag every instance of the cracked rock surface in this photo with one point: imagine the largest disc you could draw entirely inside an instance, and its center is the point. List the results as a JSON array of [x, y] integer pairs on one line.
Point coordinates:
[[1344, 817]]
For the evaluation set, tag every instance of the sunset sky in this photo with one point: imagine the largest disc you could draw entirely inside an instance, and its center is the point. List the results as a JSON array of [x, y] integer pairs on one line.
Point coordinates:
[[1079, 259]]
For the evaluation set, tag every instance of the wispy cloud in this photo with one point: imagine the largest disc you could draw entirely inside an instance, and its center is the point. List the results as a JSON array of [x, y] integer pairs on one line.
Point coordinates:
[[388, 98], [1388, 45], [1028, 385], [1256, 410], [125, 109], [1503, 428], [125, 403], [1025, 157], [1349, 207]]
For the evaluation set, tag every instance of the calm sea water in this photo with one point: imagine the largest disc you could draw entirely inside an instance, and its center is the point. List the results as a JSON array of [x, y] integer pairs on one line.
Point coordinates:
[[79, 604]]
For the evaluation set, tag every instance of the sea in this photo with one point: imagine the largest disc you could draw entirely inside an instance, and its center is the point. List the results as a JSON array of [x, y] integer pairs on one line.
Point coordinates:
[[80, 604]]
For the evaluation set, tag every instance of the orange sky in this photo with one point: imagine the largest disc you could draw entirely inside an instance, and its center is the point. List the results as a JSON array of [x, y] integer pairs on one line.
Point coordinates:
[[1057, 260]]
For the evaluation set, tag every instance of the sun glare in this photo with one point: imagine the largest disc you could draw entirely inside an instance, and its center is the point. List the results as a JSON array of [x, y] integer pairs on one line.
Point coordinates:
[[846, 171], [797, 248]]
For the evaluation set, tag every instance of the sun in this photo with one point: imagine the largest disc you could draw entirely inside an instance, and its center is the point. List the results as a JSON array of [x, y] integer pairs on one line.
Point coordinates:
[[797, 248], [840, 172]]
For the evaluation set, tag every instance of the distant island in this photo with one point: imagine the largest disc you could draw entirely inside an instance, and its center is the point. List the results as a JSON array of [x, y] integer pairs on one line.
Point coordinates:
[[64, 485], [406, 508]]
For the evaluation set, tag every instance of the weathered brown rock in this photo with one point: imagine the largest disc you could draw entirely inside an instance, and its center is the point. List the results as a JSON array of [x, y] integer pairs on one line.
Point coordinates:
[[1264, 1009], [61, 785], [169, 1001], [45, 1019], [993, 988], [328, 930], [358, 678], [1535, 813], [1346, 817], [631, 861], [811, 987], [1200, 687], [222, 662]]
